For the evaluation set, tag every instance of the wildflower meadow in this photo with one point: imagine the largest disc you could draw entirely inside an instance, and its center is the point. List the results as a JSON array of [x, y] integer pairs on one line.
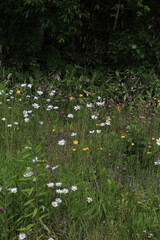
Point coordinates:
[[78, 165]]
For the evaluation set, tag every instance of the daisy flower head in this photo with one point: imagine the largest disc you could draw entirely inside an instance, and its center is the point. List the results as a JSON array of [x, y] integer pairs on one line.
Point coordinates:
[[27, 147], [22, 236], [89, 105], [49, 107], [52, 93], [35, 105], [108, 118], [54, 204], [77, 107], [157, 163], [65, 190], [28, 174], [108, 122], [73, 134], [70, 115], [47, 166], [58, 184], [53, 168], [102, 124], [58, 200], [98, 131], [61, 142], [74, 188], [89, 199], [94, 116], [29, 85], [23, 85], [100, 104], [91, 131], [51, 184], [13, 190], [59, 191], [39, 92], [26, 119], [56, 107], [35, 159], [158, 141], [1, 92]]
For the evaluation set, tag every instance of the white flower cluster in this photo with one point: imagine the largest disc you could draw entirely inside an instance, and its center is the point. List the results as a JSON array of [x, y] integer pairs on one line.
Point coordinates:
[[70, 115], [26, 115], [12, 190], [95, 131], [158, 141], [61, 142], [94, 116], [28, 174], [22, 236], [35, 105], [26, 85]]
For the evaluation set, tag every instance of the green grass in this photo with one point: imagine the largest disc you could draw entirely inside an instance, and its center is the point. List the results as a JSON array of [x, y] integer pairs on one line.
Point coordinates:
[[114, 167]]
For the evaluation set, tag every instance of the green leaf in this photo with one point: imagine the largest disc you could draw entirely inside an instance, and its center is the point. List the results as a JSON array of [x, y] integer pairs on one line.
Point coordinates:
[[28, 190], [134, 46], [35, 212], [28, 202], [26, 228], [45, 226]]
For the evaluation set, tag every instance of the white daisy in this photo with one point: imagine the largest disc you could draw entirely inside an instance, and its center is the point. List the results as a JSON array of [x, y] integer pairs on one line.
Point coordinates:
[[51, 184], [74, 188], [77, 107], [61, 142], [54, 204], [158, 141], [89, 199], [22, 236], [70, 115]]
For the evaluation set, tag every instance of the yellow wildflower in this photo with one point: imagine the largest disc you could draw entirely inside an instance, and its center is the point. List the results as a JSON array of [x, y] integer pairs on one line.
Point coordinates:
[[71, 98], [18, 92], [75, 142], [123, 137], [85, 149]]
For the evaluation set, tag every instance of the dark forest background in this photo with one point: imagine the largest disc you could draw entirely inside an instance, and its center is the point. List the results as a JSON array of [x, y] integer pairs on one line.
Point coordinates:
[[105, 34]]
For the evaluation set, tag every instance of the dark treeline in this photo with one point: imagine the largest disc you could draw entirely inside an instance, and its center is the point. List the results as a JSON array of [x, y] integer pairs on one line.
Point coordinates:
[[53, 33]]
